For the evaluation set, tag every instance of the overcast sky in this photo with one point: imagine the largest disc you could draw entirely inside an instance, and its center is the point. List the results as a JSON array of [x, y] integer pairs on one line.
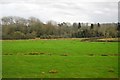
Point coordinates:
[[62, 10]]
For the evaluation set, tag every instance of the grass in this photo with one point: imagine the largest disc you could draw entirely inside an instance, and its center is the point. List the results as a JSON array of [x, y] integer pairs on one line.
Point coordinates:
[[18, 63]]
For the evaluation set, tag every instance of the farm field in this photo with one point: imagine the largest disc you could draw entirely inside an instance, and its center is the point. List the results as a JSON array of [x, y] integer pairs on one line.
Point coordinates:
[[68, 58]]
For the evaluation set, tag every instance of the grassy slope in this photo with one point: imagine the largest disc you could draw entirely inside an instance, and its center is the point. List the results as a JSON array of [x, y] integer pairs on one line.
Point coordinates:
[[77, 64]]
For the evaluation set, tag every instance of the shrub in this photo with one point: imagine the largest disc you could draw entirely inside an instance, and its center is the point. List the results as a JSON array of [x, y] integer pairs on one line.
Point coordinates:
[[18, 35]]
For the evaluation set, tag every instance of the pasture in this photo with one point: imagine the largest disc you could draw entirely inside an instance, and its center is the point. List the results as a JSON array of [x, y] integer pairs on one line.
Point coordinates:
[[62, 58]]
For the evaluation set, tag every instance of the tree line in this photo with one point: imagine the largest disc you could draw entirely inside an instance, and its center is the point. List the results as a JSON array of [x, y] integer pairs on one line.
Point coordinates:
[[14, 27]]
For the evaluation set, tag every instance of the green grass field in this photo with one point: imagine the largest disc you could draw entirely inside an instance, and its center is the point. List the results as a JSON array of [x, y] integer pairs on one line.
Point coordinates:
[[59, 59]]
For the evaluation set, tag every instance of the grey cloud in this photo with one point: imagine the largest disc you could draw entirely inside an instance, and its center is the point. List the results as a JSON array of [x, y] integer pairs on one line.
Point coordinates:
[[69, 11]]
